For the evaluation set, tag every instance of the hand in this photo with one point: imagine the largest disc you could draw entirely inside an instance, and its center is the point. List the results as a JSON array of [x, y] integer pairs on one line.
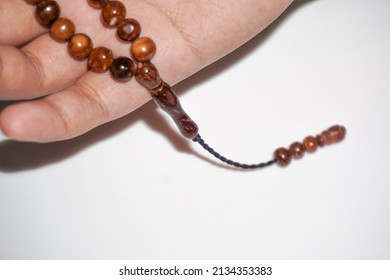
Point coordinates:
[[72, 100]]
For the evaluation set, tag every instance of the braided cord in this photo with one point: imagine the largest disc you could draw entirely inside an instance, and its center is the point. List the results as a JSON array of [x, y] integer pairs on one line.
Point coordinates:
[[201, 142]]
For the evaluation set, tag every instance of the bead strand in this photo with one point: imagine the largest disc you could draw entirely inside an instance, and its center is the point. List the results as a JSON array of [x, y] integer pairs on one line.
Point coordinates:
[[296, 150], [142, 50]]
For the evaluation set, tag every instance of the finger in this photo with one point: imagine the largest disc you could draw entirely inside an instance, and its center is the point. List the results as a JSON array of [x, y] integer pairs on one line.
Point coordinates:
[[18, 23], [93, 100], [39, 68]]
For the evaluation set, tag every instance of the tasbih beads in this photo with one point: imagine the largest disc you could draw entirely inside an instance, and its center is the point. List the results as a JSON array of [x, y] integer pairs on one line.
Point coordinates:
[[296, 150], [100, 59], [142, 50]]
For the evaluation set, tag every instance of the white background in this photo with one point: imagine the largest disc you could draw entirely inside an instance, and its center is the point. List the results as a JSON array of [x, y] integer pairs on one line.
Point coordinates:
[[136, 189]]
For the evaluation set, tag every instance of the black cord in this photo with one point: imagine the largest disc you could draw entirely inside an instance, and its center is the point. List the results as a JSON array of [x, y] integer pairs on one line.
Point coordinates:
[[199, 139]]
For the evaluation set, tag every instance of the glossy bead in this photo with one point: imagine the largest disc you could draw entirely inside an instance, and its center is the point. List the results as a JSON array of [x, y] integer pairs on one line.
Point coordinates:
[[165, 98], [122, 68], [33, 2], [47, 12], [62, 30], [113, 12], [129, 29], [297, 150], [143, 49], [80, 46], [148, 76], [332, 135], [100, 59], [282, 156], [310, 144], [97, 4], [187, 126]]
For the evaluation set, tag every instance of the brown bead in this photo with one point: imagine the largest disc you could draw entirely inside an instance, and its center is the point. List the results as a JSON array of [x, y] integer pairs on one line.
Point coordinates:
[[282, 156], [97, 4], [143, 49], [148, 76], [113, 12], [100, 59], [79, 46], [62, 30], [33, 2], [310, 144], [123, 69], [297, 150], [187, 126], [47, 12], [332, 135], [165, 98], [129, 29]]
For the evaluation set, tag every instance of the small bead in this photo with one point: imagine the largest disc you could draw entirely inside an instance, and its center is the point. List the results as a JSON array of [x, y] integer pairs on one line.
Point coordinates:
[[282, 156], [113, 12], [62, 29], [100, 59], [310, 144], [98, 4], [129, 29], [47, 12], [143, 49], [33, 2], [148, 76], [297, 150], [123, 69], [80, 46]]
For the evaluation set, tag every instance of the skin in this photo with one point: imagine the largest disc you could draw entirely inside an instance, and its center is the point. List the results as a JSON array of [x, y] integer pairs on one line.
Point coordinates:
[[72, 100]]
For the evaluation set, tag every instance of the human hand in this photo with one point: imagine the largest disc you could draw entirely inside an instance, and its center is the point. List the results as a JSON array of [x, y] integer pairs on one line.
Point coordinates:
[[69, 99]]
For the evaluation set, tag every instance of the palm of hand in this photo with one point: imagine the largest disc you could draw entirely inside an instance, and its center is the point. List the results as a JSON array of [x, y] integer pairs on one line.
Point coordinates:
[[189, 35]]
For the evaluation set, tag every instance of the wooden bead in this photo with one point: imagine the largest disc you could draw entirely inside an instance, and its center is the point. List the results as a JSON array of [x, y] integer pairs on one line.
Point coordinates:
[[62, 30], [297, 150], [98, 4], [113, 12], [100, 59], [165, 97], [80, 46], [33, 2], [143, 49], [129, 29], [148, 76], [310, 144], [123, 69], [282, 156], [332, 135], [47, 12], [187, 126]]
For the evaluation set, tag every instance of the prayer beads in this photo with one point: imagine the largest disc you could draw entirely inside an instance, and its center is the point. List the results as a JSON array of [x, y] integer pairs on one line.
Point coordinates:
[[142, 50]]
